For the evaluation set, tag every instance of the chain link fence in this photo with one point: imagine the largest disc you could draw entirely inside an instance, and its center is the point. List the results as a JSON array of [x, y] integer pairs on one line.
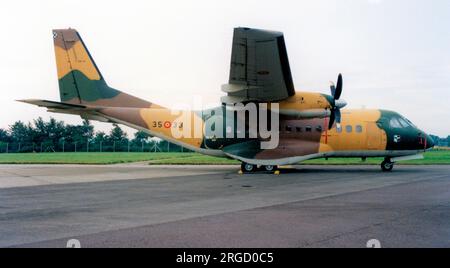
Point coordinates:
[[89, 146]]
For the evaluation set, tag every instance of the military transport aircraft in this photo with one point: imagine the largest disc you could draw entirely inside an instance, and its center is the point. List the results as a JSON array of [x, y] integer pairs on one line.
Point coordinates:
[[310, 125]]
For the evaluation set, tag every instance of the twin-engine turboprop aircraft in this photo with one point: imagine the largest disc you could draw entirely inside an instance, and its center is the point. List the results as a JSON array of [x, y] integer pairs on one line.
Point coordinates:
[[262, 122]]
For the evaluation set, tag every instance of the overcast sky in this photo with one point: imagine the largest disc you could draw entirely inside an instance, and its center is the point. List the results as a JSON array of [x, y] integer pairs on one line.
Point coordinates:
[[393, 54]]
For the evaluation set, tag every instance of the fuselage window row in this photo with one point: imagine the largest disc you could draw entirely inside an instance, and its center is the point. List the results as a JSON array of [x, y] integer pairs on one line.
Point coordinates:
[[319, 128]]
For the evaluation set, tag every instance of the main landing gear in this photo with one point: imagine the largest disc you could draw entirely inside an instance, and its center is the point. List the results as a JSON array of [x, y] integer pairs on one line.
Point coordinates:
[[249, 168], [387, 164]]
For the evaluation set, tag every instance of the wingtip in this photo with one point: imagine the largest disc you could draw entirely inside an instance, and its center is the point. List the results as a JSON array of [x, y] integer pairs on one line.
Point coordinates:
[[258, 31]]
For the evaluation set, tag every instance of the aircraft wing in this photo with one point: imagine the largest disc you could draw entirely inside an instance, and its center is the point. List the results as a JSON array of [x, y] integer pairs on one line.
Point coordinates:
[[259, 69]]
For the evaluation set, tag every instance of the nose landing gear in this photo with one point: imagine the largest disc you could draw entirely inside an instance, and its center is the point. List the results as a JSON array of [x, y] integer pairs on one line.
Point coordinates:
[[387, 165]]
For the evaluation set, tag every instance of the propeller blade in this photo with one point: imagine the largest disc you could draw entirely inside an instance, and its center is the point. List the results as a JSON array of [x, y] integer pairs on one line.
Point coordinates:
[[339, 85], [338, 116], [336, 92], [332, 118], [332, 89]]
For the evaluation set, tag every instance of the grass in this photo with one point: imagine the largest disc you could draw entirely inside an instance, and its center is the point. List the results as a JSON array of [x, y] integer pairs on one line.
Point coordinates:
[[435, 157], [194, 159], [83, 158]]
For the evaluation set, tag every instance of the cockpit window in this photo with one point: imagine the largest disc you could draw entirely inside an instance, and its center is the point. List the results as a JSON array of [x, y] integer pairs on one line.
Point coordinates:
[[400, 122], [408, 122], [403, 122], [394, 123]]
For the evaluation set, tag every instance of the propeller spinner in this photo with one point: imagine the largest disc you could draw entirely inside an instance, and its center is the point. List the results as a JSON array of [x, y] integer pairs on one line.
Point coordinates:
[[337, 104]]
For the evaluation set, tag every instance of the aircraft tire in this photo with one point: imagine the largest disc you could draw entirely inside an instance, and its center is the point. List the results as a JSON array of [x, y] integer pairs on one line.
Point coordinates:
[[247, 168], [270, 168], [387, 165]]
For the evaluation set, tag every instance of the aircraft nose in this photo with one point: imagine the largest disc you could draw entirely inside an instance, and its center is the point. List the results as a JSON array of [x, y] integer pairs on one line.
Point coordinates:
[[430, 142]]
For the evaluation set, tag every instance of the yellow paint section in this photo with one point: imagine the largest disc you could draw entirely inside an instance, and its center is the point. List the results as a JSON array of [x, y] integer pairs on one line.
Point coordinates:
[[370, 138], [324, 147], [304, 101], [167, 123], [75, 58]]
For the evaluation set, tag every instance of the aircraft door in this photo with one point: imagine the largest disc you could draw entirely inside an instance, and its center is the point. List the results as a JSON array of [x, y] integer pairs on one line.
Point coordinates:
[[374, 136]]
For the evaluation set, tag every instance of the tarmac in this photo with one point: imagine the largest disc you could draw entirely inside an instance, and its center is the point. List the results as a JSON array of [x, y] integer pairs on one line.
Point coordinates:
[[138, 205]]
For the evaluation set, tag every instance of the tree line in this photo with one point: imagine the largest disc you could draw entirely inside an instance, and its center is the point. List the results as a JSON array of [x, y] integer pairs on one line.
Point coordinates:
[[56, 136], [439, 141]]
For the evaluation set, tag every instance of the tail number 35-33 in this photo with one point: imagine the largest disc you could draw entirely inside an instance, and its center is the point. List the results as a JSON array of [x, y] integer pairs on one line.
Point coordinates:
[[167, 124]]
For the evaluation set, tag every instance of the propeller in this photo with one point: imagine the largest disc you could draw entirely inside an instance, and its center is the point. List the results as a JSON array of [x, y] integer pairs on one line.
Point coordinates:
[[337, 104]]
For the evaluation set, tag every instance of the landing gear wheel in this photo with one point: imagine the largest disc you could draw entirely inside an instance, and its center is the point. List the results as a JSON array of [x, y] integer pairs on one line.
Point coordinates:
[[248, 168], [387, 165], [270, 168]]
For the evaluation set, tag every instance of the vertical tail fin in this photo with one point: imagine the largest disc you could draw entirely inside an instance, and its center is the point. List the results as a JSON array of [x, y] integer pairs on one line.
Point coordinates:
[[80, 80]]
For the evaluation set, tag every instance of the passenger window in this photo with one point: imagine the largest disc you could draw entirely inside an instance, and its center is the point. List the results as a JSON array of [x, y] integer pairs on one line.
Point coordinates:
[[348, 128], [358, 128], [288, 128], [308, 129], [299, 129], [339, 129], [319, 128]]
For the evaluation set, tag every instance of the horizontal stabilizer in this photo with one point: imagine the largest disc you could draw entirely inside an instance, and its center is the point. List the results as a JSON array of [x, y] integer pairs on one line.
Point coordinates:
[[86, 112], [54, 104]]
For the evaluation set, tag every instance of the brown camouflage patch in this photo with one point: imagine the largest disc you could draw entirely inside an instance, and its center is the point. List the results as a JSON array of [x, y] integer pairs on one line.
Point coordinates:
[[65, 38]]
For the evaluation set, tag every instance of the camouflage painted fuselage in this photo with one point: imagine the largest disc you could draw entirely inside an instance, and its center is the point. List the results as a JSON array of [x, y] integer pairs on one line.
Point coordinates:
[[363, 133], [303, 125]]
